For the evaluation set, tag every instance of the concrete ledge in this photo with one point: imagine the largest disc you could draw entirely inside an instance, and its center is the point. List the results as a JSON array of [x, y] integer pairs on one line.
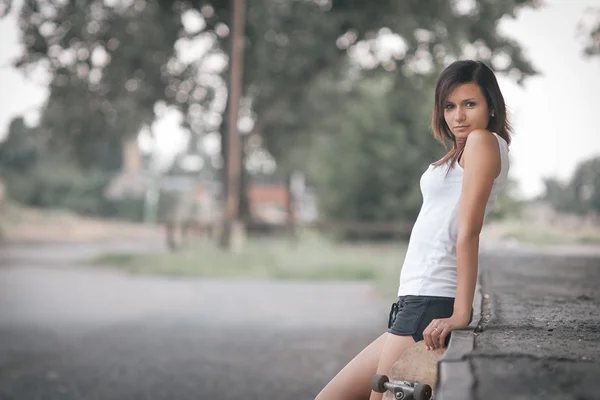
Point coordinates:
[[455, 380], [458, 381], [461, 343]]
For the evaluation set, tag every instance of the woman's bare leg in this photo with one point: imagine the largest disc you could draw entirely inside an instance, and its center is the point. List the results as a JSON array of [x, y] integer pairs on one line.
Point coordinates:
[[393, 348], [353, 382]]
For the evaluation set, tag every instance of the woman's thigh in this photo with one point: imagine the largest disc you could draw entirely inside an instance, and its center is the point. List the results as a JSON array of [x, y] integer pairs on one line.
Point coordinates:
[[354, 380], [393, 348]]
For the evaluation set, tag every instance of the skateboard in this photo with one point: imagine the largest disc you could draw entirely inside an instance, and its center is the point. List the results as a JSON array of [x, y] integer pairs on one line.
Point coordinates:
[[412, 377]]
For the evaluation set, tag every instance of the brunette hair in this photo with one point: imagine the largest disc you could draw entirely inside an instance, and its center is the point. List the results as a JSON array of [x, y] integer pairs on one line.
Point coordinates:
[[458, 73]]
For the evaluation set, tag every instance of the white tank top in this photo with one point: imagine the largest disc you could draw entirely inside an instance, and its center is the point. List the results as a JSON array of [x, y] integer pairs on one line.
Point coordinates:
[[430, 264]]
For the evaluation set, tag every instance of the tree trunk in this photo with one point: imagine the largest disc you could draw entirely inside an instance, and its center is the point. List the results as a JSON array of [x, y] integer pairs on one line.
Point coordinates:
[[244, 206], [291, 212], [232, 239]]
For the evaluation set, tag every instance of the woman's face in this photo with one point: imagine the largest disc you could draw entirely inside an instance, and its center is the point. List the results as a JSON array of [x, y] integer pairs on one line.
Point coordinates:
[[466, 110]]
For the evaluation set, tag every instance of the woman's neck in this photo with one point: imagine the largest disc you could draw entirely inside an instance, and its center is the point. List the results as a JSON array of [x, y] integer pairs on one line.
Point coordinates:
[[460, 142]]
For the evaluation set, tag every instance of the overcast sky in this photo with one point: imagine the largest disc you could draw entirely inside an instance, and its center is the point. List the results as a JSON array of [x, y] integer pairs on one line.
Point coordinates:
[[556, 115]]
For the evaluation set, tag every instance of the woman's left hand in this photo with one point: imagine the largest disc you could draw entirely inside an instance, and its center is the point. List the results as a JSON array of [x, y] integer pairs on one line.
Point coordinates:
[[436, 332]]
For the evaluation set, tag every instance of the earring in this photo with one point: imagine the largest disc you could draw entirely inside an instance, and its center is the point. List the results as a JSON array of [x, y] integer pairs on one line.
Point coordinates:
[[492, 113]]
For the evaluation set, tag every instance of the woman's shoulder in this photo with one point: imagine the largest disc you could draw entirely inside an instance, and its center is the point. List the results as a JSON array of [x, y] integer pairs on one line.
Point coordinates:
[[482, 148], [481, 137], [482, 140]]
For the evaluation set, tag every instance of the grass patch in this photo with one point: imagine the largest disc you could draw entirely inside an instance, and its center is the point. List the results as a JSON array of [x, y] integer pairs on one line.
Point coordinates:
[[589, 239], [115, 259], [528, 232], [310, 259], [534, 237], [550, 237]]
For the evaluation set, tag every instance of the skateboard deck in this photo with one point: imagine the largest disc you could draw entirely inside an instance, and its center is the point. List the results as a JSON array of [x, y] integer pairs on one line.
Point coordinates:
[[413, 376]]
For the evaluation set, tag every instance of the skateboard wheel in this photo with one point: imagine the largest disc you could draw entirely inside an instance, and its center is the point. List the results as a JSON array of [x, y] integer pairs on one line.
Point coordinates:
[[378, 383], [422, 392]]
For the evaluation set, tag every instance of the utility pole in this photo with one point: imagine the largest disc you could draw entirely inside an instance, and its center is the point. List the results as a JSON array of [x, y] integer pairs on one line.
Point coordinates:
[[233, 234]]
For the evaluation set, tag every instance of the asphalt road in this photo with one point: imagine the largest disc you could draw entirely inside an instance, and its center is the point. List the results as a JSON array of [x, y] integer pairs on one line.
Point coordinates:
[[72, 332]]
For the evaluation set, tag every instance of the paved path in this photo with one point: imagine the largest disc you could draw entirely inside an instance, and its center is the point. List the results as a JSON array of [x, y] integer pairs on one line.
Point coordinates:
[[72, 332]]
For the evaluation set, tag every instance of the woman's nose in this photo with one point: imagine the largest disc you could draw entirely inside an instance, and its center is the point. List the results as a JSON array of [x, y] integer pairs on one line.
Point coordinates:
[[460, 114]]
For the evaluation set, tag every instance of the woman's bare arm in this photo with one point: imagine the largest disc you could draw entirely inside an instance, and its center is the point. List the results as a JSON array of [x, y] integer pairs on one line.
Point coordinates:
[[482, 165]]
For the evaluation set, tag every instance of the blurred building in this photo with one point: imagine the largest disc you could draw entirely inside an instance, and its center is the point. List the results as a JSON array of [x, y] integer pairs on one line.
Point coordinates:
[[190, 192], [133, 180]]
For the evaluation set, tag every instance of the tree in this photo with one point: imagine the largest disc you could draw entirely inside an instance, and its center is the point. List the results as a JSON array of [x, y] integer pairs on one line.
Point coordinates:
[[20, 150], [291, 44], [558, 195], [106, 69], [42, 178], [581, 194], [366, 165], [294, 46], [585, 186], [291, 48]]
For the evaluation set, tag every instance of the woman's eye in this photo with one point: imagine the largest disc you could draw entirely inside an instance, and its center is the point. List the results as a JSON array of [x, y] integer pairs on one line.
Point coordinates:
[[449, 106], [471, 104]]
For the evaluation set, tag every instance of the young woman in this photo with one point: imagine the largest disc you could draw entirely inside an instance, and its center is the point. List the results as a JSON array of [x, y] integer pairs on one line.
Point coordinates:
[[437, 281]]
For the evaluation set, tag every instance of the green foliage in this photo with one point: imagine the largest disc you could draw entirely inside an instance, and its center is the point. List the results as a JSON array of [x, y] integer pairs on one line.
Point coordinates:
[[586, 185], [364, 148], [581, 194], [290, 46], [106, 67], [21, 148], [371, 150], [559, 195], [38, 178], [54, 184], [366, 166], [314, 79]]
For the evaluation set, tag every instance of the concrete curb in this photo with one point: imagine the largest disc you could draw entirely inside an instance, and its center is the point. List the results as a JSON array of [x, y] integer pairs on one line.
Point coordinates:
[[455, 381]]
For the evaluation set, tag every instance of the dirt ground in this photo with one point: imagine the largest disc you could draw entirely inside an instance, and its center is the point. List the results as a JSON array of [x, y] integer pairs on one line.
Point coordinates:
[[19, 224]]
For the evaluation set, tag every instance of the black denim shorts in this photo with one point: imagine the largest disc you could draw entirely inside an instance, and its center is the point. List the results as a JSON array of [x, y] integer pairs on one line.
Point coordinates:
[[410, 315]]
